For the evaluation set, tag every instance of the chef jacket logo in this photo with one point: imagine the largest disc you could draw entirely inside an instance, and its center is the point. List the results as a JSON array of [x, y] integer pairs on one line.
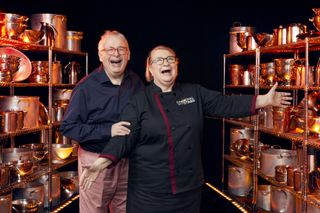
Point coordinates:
[[186, 101]]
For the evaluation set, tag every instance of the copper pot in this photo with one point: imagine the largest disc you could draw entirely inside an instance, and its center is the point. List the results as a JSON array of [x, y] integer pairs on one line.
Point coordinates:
[[6, 202], [235, 73], [273, 157], [239, 181], [32, 190], [16, 154], [4, 175], [55, 186], [22, 103], [69, 184], [26, 205], [281, 119]]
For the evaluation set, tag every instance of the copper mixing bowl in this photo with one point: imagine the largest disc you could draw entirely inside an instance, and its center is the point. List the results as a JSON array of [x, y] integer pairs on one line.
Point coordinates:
[[23, 167], [31, 36], [264, 39], [11, 17], [11, 30], [61, 151]]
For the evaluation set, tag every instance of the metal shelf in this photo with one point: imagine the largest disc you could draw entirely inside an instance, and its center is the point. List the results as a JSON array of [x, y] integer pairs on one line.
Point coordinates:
[[303, 47], [42, 170], [13, 84], [23, 132], [35, 47], [240, 123], [65, 162], [314, 45], [45, 167], [229, 86], [294, 137], [244, 163], [313, 199], [66, 203]]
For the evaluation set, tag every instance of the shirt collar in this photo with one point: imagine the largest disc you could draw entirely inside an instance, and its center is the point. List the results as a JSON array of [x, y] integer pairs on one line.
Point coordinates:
[[103, 77]]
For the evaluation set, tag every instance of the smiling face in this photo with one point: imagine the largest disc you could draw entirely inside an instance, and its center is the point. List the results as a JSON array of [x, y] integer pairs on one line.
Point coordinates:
[[114, 54], [163, 66]]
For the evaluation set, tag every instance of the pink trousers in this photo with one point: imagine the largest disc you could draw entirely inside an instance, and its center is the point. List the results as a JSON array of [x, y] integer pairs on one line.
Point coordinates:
[[109, 191]]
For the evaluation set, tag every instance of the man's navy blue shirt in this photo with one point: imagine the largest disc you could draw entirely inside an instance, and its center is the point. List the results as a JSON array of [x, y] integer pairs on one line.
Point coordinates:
[[95, 105]]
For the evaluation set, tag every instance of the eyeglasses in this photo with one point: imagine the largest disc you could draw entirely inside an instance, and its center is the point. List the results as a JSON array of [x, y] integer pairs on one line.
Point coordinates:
[[169, 59], [120, 50]]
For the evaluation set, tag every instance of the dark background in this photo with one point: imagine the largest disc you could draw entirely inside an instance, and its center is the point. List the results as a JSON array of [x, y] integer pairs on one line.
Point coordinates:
[[198, 30]]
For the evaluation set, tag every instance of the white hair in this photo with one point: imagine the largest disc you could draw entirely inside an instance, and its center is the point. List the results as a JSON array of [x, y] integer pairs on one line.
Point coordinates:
[[109, 33]]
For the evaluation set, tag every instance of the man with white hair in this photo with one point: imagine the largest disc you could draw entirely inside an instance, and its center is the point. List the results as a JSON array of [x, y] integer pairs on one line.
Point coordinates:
[[92, 118]]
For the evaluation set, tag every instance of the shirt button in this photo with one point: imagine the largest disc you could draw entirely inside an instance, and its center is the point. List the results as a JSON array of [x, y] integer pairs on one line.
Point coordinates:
[[173, 128]]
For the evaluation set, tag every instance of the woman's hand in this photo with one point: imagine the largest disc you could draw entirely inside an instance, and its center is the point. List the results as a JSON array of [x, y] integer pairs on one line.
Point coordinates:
[[274, 98], [90, 173]]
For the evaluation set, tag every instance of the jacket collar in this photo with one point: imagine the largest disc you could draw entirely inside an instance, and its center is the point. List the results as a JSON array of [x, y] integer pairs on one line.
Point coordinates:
[[155, 89]]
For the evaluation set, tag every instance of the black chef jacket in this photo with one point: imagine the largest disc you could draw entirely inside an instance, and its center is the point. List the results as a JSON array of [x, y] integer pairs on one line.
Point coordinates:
[[166, 133], [95, 105]]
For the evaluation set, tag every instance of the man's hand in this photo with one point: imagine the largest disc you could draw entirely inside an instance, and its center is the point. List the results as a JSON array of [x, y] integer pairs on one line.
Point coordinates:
[[120, 129]]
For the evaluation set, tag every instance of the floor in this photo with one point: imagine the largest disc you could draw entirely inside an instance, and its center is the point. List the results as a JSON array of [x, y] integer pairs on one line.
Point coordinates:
[[211, 203]]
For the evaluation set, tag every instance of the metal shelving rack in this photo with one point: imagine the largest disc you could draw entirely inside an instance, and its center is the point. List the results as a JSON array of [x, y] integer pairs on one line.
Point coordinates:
[[47, 168], [303, 46]]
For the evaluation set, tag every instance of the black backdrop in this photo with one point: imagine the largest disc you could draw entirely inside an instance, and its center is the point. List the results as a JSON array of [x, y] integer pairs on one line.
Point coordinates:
[[197, 29]]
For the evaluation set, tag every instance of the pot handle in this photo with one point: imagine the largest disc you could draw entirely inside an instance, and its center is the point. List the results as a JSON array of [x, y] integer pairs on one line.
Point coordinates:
[[16, 210], [34, 191], [236, 169], [286, 197], [237, 131], [264, 193], [57, 16], [286, 155], [311, 19], [236, 24], [67, 68], [318, 64], [275, 147], [284, 192]]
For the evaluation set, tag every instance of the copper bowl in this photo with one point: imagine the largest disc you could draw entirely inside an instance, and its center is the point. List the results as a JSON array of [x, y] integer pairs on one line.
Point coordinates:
[[39, 155], [69, 181], [61, 151], [11, 30], [26, 205], [34, 146], [11, 17], [9, 63], [22, 167], [264, 39], [31, 36]]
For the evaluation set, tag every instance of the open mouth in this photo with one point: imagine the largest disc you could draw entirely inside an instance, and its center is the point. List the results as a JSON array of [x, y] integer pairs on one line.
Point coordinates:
[[116, 61], [166, 71]]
